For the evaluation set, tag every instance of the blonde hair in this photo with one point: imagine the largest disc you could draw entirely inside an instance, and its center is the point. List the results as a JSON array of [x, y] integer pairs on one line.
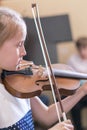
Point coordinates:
[[10, 23]]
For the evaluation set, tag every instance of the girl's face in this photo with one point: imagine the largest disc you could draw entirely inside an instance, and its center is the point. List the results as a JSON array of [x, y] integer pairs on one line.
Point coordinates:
[[12, 52]]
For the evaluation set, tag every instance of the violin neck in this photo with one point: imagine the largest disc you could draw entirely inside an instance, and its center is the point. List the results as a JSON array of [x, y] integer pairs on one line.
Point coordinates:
[[69, 74]]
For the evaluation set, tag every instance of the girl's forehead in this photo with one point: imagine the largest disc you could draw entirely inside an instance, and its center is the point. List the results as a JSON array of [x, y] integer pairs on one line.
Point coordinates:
[[19, 36]]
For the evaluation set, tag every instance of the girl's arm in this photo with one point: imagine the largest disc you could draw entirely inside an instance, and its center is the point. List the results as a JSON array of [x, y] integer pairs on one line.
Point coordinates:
[[47, 115]]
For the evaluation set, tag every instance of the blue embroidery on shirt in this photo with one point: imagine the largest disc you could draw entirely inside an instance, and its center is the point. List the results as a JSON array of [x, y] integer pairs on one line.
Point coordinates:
[[26, 123]]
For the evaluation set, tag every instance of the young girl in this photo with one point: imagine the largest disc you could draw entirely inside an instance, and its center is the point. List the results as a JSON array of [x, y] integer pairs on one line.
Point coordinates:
[[15, 113]]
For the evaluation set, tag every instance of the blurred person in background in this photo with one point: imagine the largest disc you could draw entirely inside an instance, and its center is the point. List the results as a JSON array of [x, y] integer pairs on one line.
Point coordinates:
[[78, 62]]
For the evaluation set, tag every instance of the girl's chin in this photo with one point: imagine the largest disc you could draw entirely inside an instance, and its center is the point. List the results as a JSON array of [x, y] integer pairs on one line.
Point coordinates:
[[17, 67]]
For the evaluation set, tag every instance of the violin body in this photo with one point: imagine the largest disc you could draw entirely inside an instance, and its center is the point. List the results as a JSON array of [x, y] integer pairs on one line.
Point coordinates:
[[27, 86]]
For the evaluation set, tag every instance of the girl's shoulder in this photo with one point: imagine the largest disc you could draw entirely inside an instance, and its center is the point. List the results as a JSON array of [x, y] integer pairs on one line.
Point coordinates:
[[11, 107]]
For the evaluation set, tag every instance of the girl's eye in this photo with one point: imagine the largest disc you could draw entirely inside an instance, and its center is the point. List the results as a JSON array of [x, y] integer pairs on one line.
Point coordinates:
[[20, 44]]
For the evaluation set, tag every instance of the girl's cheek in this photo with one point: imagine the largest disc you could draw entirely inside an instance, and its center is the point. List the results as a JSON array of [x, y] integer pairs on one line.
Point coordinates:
[[18, 51]]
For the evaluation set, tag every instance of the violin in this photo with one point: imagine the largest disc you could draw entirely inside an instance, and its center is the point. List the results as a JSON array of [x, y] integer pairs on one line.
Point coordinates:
[[27, 82]]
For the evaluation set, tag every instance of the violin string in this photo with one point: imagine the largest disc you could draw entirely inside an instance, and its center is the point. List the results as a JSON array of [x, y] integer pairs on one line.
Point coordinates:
[[58, 114]]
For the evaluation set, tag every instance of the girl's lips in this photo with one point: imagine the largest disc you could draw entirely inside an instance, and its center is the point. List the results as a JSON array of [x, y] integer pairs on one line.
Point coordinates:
[[17, 67], [20, 60], [18, 64]]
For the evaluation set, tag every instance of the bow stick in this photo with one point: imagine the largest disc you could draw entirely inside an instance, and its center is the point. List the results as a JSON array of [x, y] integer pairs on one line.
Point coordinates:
[[47, 61]]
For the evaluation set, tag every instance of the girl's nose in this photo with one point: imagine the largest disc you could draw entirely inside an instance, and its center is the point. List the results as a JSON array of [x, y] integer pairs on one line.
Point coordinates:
[[23, 51]]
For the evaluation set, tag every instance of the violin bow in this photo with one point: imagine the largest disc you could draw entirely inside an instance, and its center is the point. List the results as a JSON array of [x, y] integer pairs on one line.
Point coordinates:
[[47, 61]]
